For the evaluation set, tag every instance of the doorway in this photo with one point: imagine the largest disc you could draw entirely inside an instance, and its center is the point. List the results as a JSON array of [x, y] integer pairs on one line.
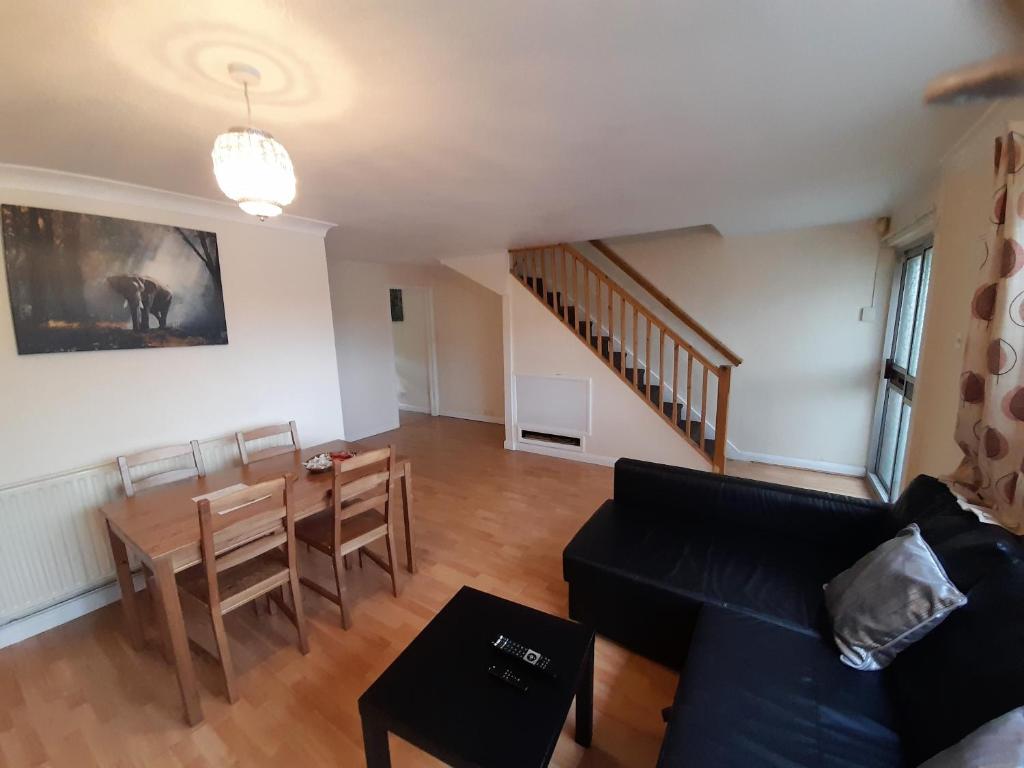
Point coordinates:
[[412, 333], [899, 374]]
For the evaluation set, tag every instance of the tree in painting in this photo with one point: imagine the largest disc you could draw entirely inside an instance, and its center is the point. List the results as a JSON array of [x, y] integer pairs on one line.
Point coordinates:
[[79, 282]]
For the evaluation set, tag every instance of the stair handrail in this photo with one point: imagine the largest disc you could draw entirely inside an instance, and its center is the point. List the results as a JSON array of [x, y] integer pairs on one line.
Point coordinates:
[[670, 305]]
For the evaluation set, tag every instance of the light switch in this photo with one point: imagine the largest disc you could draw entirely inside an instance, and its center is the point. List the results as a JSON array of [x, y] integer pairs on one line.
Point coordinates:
[[868, 314]]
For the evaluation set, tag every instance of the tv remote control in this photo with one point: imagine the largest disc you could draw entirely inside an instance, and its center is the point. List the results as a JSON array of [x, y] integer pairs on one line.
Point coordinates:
[[507, 676], [521, 652]]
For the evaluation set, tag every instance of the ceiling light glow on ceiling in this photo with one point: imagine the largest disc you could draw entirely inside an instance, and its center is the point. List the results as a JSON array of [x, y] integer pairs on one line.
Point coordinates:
[[251, 166]]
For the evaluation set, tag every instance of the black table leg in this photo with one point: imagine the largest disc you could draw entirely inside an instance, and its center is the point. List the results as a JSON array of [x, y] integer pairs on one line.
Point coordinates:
[[585, 702], [375, 744]]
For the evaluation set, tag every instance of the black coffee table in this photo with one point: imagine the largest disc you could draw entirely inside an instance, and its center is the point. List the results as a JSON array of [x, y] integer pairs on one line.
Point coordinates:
[[438, 695]]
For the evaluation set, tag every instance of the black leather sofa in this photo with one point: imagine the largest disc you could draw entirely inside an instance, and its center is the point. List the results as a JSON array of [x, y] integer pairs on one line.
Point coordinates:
[[722, 578]]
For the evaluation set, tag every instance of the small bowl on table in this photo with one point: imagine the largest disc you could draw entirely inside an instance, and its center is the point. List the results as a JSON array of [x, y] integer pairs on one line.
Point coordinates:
[[323, 462]]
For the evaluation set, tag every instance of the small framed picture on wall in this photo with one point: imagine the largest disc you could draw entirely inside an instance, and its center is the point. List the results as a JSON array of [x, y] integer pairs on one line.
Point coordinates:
[[397, 312]]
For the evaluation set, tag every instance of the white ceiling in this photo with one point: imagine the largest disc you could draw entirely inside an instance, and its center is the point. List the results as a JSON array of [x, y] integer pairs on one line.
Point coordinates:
[[433, 128]]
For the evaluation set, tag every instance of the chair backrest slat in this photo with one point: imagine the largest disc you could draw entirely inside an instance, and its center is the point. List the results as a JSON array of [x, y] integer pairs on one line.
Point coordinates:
[[163, 478], [244, 438], [361, 486], [362, 505], [239, 555], [361, 460], [166, 453], [262, 502]]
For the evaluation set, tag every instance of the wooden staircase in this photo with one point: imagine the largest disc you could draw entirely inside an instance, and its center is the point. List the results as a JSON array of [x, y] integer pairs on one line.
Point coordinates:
[[666, 357]]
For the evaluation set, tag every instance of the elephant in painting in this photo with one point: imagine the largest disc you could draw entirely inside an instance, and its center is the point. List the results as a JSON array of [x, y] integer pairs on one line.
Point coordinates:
[[143, 296]]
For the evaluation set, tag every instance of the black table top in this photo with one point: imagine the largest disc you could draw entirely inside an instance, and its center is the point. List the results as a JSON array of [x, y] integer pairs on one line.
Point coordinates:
[[439, 696]]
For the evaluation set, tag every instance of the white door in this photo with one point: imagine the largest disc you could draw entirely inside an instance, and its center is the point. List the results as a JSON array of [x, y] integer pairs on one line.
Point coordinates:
[[410, 329]]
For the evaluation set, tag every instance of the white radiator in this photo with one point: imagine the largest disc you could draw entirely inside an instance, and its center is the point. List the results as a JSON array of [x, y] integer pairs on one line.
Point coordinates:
[[53, 540]]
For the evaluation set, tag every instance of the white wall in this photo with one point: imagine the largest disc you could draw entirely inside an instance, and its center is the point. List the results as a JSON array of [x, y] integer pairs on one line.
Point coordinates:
[[412, 352], [622, 424], [788, 303], [489, 269], [963, 201], [365, 351], [468, 327], [63, 411]]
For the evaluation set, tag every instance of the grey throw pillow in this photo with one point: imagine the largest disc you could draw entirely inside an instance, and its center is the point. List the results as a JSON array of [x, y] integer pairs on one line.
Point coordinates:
[[998, 743], [894, 595]]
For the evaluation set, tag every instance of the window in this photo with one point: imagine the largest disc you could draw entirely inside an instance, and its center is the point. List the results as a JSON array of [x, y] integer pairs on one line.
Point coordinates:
[[899, 376]]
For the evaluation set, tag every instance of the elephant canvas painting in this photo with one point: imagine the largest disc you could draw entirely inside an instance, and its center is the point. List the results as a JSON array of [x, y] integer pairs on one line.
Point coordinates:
[[80, 282]]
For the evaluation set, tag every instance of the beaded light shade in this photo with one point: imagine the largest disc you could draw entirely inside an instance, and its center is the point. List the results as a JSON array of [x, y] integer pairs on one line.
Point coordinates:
[[251, 166], [254, 170]]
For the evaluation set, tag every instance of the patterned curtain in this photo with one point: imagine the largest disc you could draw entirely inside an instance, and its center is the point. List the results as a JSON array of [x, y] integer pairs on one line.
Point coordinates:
[[990, 421]]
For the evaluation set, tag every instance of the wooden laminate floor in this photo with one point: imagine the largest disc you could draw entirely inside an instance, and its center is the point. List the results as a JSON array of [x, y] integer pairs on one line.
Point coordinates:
[[79, 695]]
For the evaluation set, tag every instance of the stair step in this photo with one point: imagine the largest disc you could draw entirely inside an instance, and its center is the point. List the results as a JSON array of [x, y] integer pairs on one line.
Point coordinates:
[[536, 284], [639, 374], [691, 426], [605, 344]]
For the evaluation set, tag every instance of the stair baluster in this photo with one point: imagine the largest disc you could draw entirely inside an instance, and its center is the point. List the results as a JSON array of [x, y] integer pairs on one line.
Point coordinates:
[[675, 380]]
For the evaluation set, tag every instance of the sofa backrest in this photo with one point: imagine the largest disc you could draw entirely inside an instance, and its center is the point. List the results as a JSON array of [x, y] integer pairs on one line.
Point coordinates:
[[970, 669], [847, 525]]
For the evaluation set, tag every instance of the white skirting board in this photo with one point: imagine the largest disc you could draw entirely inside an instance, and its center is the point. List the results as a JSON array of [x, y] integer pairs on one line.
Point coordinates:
[[561, 453], [69, 610], [413, 408], [831, 468], [473, 417], [827, 467]]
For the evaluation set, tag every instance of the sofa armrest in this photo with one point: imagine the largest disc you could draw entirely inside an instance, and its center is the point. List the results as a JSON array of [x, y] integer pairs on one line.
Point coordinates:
[[718, 501]]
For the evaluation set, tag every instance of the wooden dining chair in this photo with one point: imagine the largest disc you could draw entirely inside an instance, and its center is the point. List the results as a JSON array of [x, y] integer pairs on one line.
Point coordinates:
[[360, 514], [248, 550], [194, 468], [244, 438], [127, 463]]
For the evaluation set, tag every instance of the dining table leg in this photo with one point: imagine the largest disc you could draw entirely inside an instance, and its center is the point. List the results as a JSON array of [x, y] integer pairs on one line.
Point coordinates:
[[410, 557], [175, 623], [129, 602]]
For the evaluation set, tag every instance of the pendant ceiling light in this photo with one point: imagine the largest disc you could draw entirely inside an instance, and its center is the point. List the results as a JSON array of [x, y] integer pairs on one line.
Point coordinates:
[[1001, 77], [251, 166]]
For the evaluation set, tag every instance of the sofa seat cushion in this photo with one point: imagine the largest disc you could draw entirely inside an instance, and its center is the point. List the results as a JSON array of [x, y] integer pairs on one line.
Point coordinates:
[[770, 576], [755, 693]]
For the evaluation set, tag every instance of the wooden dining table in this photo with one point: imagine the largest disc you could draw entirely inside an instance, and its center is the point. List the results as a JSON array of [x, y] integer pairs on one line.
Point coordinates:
[[161, 529]]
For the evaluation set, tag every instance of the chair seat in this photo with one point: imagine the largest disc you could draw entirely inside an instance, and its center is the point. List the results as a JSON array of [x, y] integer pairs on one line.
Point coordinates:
[[240, 584], [356, 531]]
